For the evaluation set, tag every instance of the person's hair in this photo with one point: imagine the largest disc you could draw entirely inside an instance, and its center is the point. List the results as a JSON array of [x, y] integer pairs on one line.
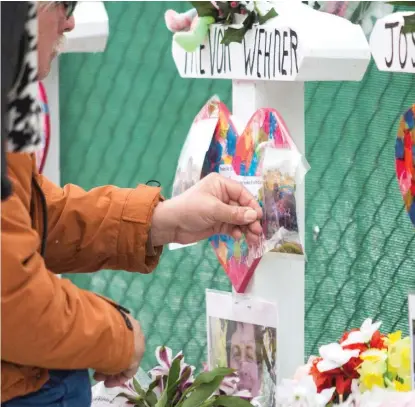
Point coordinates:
[[44, 5], [232, 326]]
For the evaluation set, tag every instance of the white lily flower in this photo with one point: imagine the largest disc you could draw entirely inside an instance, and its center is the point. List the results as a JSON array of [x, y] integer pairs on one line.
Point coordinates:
[[334, 356], [364, 334]]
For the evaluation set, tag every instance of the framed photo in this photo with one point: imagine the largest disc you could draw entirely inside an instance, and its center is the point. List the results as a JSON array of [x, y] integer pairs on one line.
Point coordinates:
[[242, 334], [411, 309]]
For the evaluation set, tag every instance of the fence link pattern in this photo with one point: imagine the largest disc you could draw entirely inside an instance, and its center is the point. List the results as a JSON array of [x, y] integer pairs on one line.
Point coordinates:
[[124, 116]]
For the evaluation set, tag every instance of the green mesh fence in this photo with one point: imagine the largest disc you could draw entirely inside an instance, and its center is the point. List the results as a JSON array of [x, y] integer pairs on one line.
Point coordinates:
[[124, 116]]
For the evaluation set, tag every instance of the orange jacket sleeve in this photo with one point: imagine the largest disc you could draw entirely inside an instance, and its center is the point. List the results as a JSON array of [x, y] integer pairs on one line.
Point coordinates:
[[105, 228], [47, 321]]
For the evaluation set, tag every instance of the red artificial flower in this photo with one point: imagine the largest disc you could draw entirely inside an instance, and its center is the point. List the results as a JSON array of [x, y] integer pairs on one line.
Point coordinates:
[[378, 341], [321, 379], [360, 346], [343, 385], [340, 378], [346, 335], [350, 368]]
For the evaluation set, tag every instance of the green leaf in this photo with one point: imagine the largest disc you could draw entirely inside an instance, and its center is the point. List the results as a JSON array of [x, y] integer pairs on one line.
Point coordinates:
[[360, 11], [174, 372], [402, 3], [129, 397], [205, 9], [201, 393], [231, 401], [173, 379], [153, 385], [162, 401], [249, 20], [271, 14], [137, 400], [207, 377], [138, 388], [409, 24], [151, 398], [234, 35]]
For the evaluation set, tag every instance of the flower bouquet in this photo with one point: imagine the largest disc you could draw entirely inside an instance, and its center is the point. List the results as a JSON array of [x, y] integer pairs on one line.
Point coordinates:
[[365, 368], [173, 384]]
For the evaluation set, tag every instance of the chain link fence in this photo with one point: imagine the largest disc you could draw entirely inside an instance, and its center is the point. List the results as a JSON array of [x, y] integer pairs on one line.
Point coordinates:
[[124, 116]]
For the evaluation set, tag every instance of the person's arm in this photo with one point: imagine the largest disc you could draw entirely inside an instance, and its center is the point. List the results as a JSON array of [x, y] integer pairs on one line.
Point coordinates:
[[104, 228], [47, 321]]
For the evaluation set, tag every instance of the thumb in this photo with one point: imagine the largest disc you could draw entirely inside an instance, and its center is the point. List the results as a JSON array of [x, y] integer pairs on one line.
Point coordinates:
[[235, 215]]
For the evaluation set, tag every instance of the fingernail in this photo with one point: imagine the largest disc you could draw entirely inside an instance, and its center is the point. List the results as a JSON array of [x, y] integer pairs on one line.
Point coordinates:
[[250, 216]]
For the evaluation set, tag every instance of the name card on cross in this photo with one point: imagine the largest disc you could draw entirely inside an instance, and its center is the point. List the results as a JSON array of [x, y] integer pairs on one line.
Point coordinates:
[[265, 53], [303, 47], [391, 49]]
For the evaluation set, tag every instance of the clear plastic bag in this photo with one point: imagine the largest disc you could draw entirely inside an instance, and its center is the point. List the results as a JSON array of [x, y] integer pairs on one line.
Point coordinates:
[[283, 171]]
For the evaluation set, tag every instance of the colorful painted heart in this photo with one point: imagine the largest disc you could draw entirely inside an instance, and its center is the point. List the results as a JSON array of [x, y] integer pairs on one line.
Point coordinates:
[[241, 158], [405, 160]]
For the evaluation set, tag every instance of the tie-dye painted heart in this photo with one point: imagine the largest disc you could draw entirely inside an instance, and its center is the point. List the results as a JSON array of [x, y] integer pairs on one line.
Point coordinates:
[[241, 158], [405, 160]]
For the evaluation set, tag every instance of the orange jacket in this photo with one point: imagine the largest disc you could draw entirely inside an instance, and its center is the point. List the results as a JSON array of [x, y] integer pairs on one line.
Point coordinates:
[[47, 322]]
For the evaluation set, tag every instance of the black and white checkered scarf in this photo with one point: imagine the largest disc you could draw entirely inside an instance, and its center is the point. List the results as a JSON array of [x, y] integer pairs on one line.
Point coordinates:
[[24, 126], [20, 108]]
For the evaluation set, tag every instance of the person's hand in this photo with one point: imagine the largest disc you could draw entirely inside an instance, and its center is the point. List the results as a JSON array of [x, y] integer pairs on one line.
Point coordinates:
[[122, 377], [215, 205]]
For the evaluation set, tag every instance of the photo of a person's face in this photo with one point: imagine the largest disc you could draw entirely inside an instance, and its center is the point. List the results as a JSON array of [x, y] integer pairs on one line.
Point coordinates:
[[243, 358], [250, 350]]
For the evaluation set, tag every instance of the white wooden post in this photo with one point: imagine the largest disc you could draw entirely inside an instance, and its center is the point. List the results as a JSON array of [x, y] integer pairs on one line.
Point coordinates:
[[268, 69], [90, 35]]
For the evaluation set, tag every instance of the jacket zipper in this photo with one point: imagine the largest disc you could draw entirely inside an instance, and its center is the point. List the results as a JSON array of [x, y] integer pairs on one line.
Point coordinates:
[[44, 216]]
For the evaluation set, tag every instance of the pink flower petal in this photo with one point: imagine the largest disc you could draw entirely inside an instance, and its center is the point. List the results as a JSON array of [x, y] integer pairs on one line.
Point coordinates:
[[164, 356]]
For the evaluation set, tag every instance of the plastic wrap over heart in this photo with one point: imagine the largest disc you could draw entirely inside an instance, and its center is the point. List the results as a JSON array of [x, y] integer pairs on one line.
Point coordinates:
[[266, 161]]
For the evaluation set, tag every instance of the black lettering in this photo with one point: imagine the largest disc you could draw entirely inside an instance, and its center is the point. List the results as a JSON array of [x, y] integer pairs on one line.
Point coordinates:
[[294, 46], [391, 26], [403, 63], [185, 63], [259, 52], [284, 53], [276, 55], [267, 55], [201, 70], [229, 58], [413, 43], [212, 49], [247, 56], [222, 47]]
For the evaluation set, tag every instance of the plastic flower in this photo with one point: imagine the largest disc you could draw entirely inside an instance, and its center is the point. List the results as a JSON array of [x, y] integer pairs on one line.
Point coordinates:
[[229, 386], [304, 370], [372, 370], [165, 360], [403, 385], [292, 393], [399, 356], [334, 356], [364, 334]]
